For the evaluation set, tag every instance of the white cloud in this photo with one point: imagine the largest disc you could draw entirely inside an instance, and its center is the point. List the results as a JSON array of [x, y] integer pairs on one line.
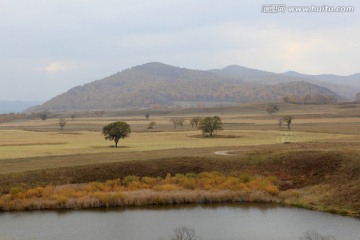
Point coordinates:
[[278, 49], [59, 66]]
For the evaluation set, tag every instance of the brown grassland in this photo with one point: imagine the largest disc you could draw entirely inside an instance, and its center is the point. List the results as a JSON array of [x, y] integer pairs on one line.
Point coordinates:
[[42, 167]]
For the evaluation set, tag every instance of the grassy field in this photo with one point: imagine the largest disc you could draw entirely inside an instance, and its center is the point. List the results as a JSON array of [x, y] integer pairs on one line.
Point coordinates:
[[24, 144], [319, 168]]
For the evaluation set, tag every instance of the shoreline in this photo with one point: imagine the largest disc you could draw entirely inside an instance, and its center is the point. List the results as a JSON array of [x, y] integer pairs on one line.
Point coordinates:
[[205, 198]]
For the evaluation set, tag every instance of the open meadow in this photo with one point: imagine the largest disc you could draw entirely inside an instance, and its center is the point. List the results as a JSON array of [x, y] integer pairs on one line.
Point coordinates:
[[316, 164]]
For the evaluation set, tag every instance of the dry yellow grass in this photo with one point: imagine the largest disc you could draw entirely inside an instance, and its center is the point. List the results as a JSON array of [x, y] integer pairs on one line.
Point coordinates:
[[24, 144], [181, 188]]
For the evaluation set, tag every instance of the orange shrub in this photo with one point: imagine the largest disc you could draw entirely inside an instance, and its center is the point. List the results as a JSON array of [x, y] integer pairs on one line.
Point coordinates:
[[166, 187], [34, 192]]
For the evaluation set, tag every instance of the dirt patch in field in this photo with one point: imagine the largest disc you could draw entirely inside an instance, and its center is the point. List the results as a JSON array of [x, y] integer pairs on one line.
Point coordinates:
[[300, 169], [214, 136]]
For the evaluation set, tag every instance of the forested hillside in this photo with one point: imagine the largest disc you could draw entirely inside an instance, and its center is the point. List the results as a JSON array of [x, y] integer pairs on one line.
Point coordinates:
[[155, 84], [345, 86]]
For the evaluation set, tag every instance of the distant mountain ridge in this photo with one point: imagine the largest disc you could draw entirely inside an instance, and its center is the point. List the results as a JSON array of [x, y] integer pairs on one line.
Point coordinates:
[[351, 80], [16, 106], [156, 83], [345, 86]]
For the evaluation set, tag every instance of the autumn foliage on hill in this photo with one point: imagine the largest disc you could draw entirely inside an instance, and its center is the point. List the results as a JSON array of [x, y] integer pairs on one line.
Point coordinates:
[[155, 84]]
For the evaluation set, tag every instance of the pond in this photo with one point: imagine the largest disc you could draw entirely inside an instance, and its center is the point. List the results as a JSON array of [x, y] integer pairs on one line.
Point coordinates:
[[226, 222]]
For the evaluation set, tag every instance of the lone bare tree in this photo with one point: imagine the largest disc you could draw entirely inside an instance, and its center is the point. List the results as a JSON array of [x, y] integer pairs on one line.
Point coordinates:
[[62, 123], [280, 122], [184, 233], [288, 119], [177, 121], [194, 122], [73, 115], [151, 125]]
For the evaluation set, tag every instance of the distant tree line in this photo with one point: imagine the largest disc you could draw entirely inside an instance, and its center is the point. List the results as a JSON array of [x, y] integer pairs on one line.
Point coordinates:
[[8, 117], [310, 99]]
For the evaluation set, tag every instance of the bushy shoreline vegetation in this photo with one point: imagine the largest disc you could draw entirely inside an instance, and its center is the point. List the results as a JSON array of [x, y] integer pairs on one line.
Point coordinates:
[[205, 187]]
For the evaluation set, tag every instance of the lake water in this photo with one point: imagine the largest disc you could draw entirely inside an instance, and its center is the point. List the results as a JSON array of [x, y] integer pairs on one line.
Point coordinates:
[[226, 222]]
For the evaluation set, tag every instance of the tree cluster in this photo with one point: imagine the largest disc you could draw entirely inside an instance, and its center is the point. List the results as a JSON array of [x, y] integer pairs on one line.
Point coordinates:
[[14, 116], [194, 122], [311, 99], [177, 121], [286, 119]]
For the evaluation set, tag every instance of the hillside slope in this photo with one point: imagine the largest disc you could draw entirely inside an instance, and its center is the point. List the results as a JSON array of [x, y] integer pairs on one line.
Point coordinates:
[[156, 83], [345, 86]]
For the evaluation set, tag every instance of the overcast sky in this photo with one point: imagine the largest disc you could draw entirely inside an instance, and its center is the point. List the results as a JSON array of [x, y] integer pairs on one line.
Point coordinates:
[[49, 46]]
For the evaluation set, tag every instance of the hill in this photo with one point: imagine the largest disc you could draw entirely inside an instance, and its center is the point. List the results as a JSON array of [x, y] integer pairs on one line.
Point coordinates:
[[155, 84], [351, 80], [345, 86]]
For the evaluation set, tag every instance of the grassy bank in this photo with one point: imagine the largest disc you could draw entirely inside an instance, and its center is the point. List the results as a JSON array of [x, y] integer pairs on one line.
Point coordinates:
[[321, 180], [204, 187]]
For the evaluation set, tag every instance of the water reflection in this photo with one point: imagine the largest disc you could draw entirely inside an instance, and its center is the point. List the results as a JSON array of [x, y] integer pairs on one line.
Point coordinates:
[[186, 233], [210, 222]]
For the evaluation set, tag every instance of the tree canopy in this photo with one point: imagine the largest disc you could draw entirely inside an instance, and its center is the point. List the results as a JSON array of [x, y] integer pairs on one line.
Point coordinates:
[[210, 124], [116, 130]]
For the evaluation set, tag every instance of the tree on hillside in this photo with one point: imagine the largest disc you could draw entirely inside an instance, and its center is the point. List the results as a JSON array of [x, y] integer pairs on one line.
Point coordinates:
[[195, 121], [211, 124], [115, 131], [272, 108], [62, 123], [177, 121], [358, 97]]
